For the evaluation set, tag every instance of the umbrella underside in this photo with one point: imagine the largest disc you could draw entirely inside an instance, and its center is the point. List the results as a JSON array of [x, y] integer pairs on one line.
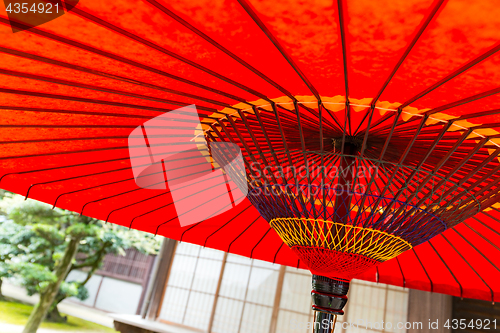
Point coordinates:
[[404, 93]]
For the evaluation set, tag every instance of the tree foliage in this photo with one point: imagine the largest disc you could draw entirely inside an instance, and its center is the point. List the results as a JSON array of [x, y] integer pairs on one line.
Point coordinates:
[[34, 239]]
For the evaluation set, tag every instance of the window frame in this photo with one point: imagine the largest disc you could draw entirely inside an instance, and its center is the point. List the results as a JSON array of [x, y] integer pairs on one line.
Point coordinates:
[[275, 308]]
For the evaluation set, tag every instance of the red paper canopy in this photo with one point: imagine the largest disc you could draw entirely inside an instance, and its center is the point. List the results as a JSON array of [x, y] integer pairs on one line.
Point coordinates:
[[73, 89]]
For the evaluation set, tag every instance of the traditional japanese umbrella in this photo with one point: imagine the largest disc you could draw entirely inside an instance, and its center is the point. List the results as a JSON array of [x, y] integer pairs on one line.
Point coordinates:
[[366, 128]]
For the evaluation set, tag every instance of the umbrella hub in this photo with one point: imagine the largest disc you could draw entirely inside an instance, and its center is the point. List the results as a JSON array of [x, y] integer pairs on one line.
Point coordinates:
[[352, 144]]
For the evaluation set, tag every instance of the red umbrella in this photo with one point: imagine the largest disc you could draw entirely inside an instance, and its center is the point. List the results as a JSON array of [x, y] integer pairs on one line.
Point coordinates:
[[409, 85]]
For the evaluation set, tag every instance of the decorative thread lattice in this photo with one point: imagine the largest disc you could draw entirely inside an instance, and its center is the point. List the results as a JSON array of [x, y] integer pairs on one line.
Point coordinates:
[[333, 263], [335, 188], [316, 233], [413, 224]]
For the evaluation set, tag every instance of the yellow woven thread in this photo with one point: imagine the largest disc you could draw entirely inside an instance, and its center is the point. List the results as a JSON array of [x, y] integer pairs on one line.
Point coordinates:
[[374, 244]]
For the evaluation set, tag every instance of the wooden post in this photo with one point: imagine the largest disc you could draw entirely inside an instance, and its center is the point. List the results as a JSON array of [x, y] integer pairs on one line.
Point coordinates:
[[216, 296], [159, 280], [277, 299], [150, 260]]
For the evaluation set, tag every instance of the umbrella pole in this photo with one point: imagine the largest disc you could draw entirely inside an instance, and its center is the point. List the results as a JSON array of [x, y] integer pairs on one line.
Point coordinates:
[[328, 299], [324, 322]]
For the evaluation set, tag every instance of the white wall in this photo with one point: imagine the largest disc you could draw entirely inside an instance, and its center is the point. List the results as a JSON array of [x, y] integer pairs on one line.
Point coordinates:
[[118, 296], [92, 286], [113, 295]]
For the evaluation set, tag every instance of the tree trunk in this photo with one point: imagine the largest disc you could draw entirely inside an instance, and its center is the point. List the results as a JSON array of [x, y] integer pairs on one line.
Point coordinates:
[[47, 297], [55, 317], [1, 295], [100, 256]]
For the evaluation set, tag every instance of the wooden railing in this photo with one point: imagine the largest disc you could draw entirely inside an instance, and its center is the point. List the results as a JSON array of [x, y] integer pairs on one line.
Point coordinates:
[[133, 267]]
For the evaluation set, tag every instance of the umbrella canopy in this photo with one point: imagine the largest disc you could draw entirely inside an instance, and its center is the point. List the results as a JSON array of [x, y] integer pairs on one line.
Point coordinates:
[[423, 72]]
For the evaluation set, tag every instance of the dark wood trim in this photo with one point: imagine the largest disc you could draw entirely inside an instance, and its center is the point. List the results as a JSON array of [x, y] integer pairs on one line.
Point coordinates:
[[425, 307], [277, 299], [165, 282], [121, 277], [166, 258], [127, 328], [480, 312], [145, 284]]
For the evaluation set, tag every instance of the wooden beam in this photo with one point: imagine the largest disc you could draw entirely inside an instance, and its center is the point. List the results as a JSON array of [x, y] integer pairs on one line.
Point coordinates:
[[216, 296], [154, 299], [277, 300], [425, 307]]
